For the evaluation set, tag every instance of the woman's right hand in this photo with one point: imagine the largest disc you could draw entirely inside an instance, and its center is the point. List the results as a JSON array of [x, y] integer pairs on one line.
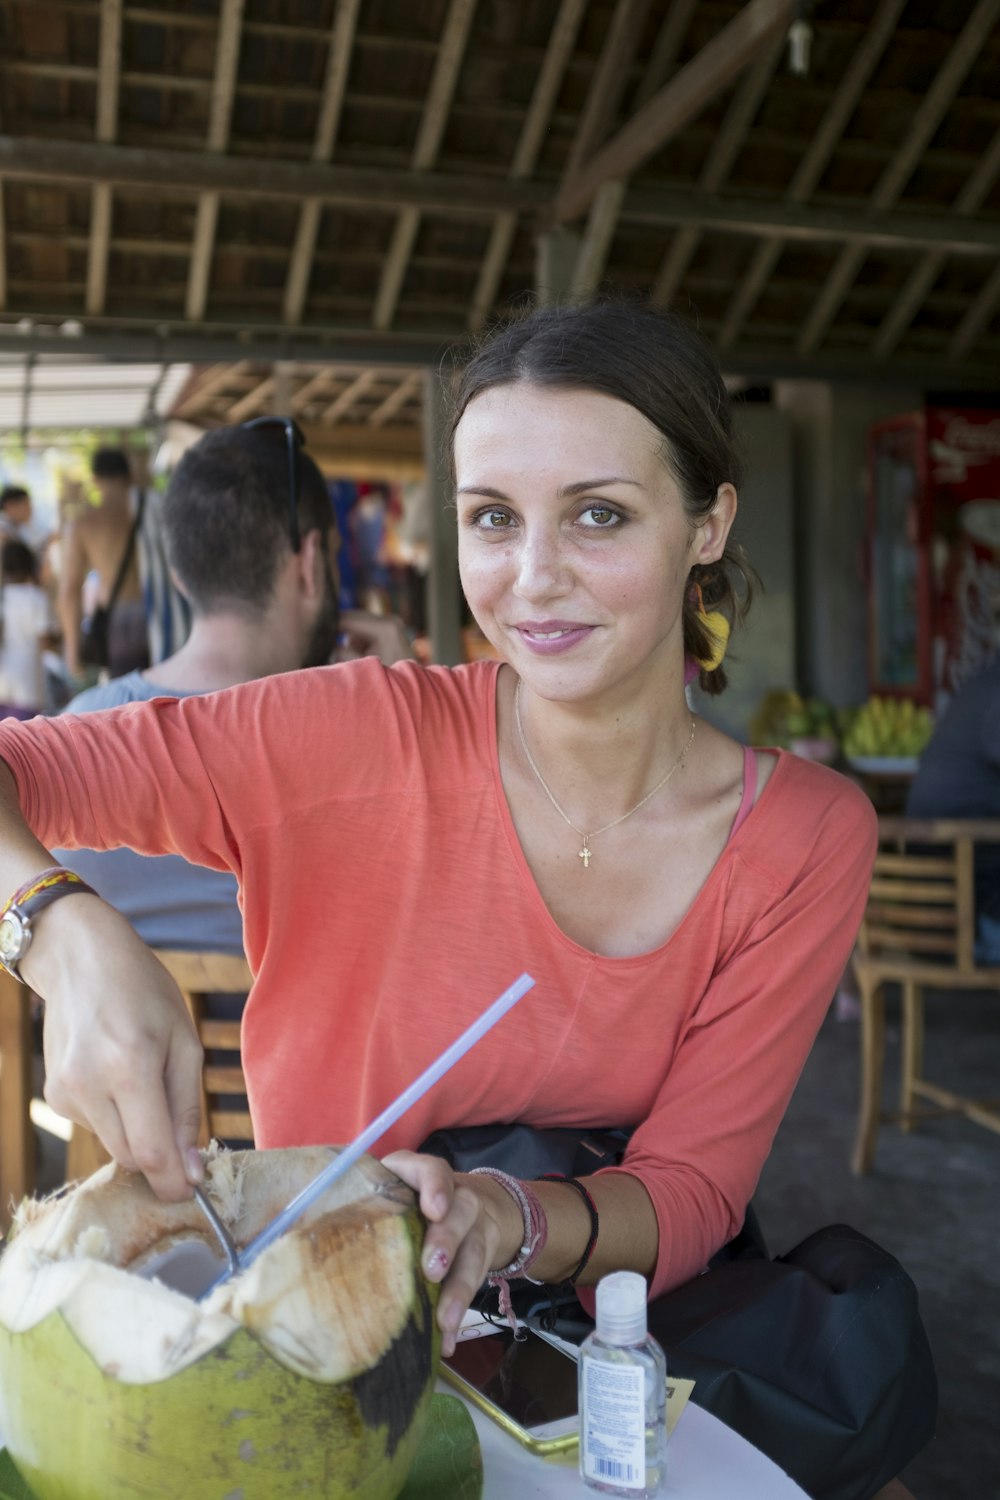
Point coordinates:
[[122, 1056]]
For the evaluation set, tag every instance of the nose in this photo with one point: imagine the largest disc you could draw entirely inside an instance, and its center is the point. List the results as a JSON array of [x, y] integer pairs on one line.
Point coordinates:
[[543, 567]]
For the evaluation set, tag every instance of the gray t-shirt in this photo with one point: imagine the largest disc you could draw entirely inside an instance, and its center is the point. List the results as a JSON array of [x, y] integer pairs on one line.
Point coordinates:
[[170, 903]]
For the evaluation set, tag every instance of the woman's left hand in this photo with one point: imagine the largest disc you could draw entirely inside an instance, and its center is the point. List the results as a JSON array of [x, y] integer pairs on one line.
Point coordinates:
[[473, 1225]]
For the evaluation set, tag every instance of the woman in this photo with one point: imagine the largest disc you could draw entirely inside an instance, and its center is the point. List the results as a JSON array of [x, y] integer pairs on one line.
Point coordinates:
[[407, 841]]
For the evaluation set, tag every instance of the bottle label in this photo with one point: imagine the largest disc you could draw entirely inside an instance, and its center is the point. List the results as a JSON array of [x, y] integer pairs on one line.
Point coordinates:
[[613, 1431]]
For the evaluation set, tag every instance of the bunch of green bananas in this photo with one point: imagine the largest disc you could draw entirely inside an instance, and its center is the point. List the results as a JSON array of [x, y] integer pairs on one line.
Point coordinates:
[[888, 726]]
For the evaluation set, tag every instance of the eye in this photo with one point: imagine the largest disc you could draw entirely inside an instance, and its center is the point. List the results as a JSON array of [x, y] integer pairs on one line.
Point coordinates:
[[602, 517], [492, 520]]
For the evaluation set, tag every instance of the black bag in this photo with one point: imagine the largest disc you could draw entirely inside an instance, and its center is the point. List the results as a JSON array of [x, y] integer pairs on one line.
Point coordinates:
[[818, 1358], [95, 635]]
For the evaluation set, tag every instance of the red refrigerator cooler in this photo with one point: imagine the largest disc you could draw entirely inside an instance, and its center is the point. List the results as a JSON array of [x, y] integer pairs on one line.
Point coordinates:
[[933, 550]]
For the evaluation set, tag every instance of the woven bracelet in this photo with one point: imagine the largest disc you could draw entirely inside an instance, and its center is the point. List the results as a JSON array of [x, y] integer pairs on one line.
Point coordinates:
[[535, 1233], [595, 1221]]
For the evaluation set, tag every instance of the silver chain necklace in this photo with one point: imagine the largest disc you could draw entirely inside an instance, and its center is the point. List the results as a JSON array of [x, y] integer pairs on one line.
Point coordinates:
[[586, 854]]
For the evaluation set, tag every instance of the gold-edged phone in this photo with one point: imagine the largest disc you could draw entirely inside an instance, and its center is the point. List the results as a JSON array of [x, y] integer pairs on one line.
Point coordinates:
[[528, 1387]]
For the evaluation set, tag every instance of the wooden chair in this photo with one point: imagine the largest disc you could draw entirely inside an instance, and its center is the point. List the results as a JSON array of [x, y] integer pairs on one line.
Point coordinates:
[[196, 975], [17, 1143], [918, 931]]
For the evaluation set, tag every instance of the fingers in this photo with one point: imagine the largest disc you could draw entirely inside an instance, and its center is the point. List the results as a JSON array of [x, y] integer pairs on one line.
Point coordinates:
[[182, 1083], [459, 1238]]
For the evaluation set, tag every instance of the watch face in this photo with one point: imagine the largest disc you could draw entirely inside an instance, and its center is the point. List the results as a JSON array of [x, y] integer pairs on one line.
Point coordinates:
[[11, 938]]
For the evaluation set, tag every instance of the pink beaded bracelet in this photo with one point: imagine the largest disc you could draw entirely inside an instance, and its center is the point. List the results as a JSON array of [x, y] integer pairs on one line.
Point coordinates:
[[535, 1235]]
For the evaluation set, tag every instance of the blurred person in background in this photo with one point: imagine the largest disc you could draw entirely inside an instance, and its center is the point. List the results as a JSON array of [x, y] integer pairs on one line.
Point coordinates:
[[102, 539], [959, 777], [26, 629], [15, 512], [258, 608]]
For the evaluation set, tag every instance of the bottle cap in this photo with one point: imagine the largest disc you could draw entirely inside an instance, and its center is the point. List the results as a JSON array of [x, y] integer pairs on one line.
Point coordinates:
[[621, 1308]]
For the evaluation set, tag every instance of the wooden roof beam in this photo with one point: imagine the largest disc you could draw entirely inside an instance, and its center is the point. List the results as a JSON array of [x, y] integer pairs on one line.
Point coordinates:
[[334, 88], [348, 397], [101, 207], [889, 188], [666, 49], [396, 399], [213, 381], [425, 153], [719, 163], [562, 40], [3, 244], [602, 105], [184, 172], [977, 317], [814, 162], [253, 401], [927, 270], [227, 58], [681, 100], [317, 385]]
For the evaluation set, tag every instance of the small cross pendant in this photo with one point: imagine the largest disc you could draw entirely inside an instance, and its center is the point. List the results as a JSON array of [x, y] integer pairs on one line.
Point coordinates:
[[585, 855]]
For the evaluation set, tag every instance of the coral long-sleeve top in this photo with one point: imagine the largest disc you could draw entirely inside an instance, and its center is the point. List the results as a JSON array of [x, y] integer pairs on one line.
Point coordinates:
[[387, 901]]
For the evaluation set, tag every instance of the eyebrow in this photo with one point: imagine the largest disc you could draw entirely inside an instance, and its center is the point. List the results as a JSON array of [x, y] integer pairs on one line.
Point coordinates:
[[580, 487]]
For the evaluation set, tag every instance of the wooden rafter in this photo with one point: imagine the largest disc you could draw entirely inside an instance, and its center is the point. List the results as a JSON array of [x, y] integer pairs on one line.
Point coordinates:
[[814, 162], [254, 400], [681, 100], [666, 49], [348, 397], [562, 40], [3, 244], [889, 188], [977, 317], [927, 270], [212, 382], [331, 105], [725, 149], [603, 101], [396, 399], [101, 207], [175, 173], [227, 58], [432, 127], [610, 79], [317, 385]]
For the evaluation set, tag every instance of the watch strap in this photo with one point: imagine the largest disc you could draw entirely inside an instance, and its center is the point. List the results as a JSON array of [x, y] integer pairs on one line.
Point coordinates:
[[38, 893]]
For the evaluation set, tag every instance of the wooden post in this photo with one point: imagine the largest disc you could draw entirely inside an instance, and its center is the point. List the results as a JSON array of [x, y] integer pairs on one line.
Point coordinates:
[[444, 593]]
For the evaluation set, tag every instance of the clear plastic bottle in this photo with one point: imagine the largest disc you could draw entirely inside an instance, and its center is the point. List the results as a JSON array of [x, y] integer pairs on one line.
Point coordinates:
[[623, 1395]]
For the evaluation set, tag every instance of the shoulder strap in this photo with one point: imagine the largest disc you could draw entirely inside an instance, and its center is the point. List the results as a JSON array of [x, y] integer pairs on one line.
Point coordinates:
[[126, 555]]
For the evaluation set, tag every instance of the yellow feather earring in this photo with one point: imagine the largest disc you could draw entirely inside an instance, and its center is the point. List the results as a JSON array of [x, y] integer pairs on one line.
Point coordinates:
[[716, 627]]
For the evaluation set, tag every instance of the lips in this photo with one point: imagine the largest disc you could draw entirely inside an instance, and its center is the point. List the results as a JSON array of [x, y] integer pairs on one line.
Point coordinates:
[[548, 636]]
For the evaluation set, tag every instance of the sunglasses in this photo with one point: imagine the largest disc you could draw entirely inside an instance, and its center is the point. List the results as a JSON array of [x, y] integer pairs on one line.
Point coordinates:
[[294, 440]]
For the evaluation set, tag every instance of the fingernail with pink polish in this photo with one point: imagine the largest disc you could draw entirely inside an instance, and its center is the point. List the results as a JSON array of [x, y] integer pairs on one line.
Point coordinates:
[[437, 1263]]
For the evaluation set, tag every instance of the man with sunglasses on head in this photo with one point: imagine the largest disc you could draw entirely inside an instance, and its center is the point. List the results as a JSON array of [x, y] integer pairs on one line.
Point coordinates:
[[251, 540]]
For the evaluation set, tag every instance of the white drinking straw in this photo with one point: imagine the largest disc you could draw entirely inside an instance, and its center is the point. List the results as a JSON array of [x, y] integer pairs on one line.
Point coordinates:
[[350, 1154]]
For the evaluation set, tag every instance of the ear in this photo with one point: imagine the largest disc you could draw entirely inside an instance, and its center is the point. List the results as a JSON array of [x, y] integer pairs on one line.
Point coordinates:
[[309, 559], [710, 537]]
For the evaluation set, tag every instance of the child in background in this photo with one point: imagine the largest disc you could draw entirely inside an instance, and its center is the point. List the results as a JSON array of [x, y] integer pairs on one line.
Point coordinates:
[[27, 626]]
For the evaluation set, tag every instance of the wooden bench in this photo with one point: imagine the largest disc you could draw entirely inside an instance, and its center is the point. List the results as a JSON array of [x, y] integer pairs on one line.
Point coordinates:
[[918, 931]]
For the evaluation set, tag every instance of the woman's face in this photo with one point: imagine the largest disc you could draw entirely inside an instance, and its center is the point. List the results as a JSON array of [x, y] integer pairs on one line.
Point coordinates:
[[574, 546]]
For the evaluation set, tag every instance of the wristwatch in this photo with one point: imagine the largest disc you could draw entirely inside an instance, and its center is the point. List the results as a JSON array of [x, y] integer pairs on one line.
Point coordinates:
[[17, 917]]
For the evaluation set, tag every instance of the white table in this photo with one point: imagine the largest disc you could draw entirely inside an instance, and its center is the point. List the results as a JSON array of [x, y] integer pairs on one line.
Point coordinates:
[[705, 1461]]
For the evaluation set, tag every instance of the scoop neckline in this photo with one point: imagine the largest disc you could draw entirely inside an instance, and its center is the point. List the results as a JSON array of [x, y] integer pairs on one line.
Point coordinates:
[[531, 885]]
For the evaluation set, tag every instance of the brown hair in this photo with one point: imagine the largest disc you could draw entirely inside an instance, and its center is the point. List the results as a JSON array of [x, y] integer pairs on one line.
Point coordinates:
[[657, 363]]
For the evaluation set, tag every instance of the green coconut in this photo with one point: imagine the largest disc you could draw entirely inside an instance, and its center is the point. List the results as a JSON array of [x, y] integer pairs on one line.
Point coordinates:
[[309, 1374]]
